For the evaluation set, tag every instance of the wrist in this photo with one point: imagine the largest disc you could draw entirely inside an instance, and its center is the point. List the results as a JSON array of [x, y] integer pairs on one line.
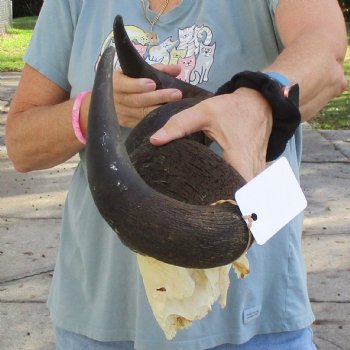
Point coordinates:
[[284, 105], [279, 78]]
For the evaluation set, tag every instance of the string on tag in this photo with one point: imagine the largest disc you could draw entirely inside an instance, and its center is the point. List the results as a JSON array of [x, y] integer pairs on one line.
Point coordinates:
[[249, 219]]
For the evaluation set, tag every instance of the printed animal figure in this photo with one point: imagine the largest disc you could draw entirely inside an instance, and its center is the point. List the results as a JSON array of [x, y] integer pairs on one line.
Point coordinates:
[[194, 51], [204, 61], [142, 49], [187, 40], [187, 65], [191, 37], [203, 35], [176, 54], [137, 35], [161, 53]]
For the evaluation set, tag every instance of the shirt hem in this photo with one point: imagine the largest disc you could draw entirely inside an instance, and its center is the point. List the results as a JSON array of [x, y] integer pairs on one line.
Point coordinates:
[[197, 343]]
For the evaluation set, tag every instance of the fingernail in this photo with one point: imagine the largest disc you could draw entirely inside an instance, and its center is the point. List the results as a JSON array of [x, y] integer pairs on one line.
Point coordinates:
[[159, 135]]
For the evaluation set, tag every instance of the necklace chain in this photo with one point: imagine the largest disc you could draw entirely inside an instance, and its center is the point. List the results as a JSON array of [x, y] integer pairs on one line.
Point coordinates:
[[152, 23]]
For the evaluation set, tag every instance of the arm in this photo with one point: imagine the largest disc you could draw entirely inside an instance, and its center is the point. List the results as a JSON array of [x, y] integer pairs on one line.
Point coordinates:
[[38, 129], [314, 36], [39, 132]]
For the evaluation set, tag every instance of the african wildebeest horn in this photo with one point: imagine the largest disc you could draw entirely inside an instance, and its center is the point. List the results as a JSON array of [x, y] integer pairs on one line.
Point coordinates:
[[177, 226], [134, 66]]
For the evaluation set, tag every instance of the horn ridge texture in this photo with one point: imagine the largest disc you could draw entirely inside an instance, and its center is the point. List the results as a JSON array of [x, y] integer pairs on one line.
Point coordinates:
[[157, 118], [149, 213]]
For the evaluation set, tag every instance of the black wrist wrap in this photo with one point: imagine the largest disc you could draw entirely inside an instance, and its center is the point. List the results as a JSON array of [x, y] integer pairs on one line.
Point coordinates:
[[285, 112]]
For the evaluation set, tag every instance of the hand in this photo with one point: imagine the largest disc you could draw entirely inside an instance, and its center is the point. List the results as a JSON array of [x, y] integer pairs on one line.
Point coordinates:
[[135, 98], [240, 123]]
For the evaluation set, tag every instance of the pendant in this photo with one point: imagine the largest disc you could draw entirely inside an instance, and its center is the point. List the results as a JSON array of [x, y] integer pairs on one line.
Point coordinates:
[[152, 37]]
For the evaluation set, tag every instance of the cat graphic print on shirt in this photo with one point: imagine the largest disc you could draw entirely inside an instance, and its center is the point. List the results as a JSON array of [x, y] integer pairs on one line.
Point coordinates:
[[193, 50]]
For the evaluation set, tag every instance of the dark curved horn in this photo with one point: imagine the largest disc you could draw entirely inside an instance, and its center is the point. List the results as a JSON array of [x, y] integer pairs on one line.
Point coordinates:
[[134, 66], [157, 118], [148, 222]]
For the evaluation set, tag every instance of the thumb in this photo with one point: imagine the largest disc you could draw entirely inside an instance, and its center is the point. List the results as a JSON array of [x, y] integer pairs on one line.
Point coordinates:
[[180, 125]]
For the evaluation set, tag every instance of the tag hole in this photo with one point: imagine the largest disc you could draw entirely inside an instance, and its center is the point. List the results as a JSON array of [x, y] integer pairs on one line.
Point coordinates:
[[254, 217]]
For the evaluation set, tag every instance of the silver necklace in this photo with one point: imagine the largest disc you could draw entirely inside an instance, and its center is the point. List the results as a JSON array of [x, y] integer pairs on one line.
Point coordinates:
[[152, 35]]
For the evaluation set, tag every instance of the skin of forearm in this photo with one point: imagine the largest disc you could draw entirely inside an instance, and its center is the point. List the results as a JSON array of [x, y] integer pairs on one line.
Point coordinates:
[[314, 36], [315, 64], [41, 137]]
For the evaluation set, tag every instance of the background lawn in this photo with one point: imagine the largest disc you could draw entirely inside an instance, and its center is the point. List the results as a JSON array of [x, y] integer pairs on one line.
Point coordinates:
[[14, 44], [336, 115]]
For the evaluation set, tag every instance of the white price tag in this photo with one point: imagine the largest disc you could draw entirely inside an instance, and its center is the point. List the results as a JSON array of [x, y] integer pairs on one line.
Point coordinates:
[[274, 196]]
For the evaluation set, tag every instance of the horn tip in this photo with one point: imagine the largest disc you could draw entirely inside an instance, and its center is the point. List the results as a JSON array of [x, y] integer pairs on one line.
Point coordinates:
[[118, 21]]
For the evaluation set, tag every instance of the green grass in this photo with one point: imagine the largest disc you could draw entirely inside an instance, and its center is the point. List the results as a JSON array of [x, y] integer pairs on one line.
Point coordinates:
[[14, 44], [336, 115]]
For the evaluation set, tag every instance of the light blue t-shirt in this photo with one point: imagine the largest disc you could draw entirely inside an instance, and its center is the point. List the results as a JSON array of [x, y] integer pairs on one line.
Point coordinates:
[[97, 290]]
